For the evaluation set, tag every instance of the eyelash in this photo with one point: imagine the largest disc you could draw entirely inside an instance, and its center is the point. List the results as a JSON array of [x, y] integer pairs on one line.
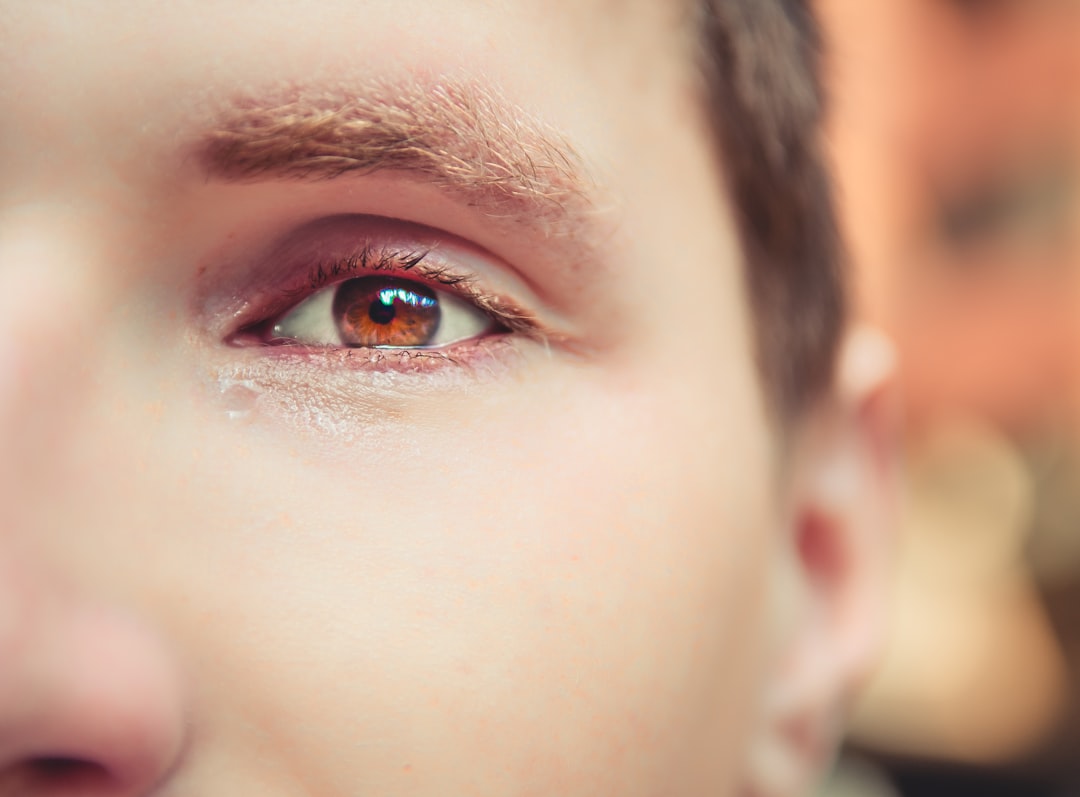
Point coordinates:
[[371, 260]]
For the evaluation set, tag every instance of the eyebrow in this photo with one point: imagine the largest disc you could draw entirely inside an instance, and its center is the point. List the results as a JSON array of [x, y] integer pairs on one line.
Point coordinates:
[[463, 139]]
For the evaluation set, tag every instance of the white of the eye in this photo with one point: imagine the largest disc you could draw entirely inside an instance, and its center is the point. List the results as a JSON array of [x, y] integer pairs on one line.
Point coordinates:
[[458, 321], [312, 321]]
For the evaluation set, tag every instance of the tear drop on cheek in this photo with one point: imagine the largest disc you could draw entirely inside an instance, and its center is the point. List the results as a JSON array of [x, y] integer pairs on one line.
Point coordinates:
[[239, 398]]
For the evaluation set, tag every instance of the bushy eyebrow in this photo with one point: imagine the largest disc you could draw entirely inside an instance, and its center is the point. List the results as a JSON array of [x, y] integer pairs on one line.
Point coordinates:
[[459, 137]]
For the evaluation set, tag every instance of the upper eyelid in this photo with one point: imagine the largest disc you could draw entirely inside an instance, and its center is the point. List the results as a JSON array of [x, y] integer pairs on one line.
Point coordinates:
[[305, 220], [260, 271], [459, 135]]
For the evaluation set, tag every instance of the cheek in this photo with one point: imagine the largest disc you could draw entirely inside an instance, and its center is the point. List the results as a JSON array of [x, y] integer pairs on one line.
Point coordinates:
[[628, 578], [576, 597]]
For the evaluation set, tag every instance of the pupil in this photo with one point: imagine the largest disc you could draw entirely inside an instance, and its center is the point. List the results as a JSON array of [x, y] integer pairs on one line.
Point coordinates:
[[386, 312], [382, 312]]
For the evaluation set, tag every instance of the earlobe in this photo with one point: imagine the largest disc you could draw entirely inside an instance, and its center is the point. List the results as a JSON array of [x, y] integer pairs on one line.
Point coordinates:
[[831, 571]]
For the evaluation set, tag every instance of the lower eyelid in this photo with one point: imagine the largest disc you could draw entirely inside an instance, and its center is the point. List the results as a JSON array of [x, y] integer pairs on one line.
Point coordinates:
[[342, 394], [332, 371]]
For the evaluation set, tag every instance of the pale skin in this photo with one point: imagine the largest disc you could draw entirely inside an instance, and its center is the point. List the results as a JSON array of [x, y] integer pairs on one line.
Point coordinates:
[[580, 558]]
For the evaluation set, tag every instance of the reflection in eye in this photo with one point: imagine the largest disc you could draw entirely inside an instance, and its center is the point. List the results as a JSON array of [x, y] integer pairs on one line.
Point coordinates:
[[381, 312]]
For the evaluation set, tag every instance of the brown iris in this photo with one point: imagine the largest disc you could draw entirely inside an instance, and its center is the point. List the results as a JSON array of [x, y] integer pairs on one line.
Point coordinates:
[[383, 311]]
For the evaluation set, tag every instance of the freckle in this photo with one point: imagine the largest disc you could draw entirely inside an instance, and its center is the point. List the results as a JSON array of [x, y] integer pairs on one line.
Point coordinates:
[[285, 519], [155, 409]]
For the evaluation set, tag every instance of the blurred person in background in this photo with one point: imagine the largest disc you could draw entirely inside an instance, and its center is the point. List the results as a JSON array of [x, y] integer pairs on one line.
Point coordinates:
[[956, 137]]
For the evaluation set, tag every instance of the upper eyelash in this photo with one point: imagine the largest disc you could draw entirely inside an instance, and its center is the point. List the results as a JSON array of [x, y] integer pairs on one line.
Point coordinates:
[[371, 259], [367, 259]]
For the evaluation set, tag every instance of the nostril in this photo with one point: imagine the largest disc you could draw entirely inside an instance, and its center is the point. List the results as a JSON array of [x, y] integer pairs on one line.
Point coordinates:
[[62, 774], [93, 704], [59, 766], [51, 767]]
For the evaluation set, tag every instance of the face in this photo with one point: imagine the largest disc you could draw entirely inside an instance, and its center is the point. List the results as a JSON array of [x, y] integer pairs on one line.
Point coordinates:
[[967, 112], [377, 406]]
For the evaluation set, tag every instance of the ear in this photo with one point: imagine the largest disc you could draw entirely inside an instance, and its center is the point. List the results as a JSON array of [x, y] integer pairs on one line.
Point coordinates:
[[831, 571]]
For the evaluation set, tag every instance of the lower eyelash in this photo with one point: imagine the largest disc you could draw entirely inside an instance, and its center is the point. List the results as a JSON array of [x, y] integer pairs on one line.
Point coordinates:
[[318, 390], [345, 392], [408, 360]]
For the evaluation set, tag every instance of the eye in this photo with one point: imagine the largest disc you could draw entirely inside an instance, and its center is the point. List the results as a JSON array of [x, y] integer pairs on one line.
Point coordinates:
[[381, 312]]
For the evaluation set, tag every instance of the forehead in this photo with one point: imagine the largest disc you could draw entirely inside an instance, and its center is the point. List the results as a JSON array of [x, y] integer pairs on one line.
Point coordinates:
[[204, 43], [76, 82]]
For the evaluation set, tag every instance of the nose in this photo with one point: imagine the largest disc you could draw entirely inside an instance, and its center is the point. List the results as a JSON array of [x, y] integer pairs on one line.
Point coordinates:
[[90, 703], [49, 314]]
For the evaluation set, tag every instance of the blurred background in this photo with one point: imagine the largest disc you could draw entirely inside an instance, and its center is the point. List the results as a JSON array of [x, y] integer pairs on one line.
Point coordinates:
[[955, 132]]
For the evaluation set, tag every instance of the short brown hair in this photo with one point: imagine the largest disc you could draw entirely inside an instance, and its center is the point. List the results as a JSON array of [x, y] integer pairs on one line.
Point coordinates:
[[761, 67]]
